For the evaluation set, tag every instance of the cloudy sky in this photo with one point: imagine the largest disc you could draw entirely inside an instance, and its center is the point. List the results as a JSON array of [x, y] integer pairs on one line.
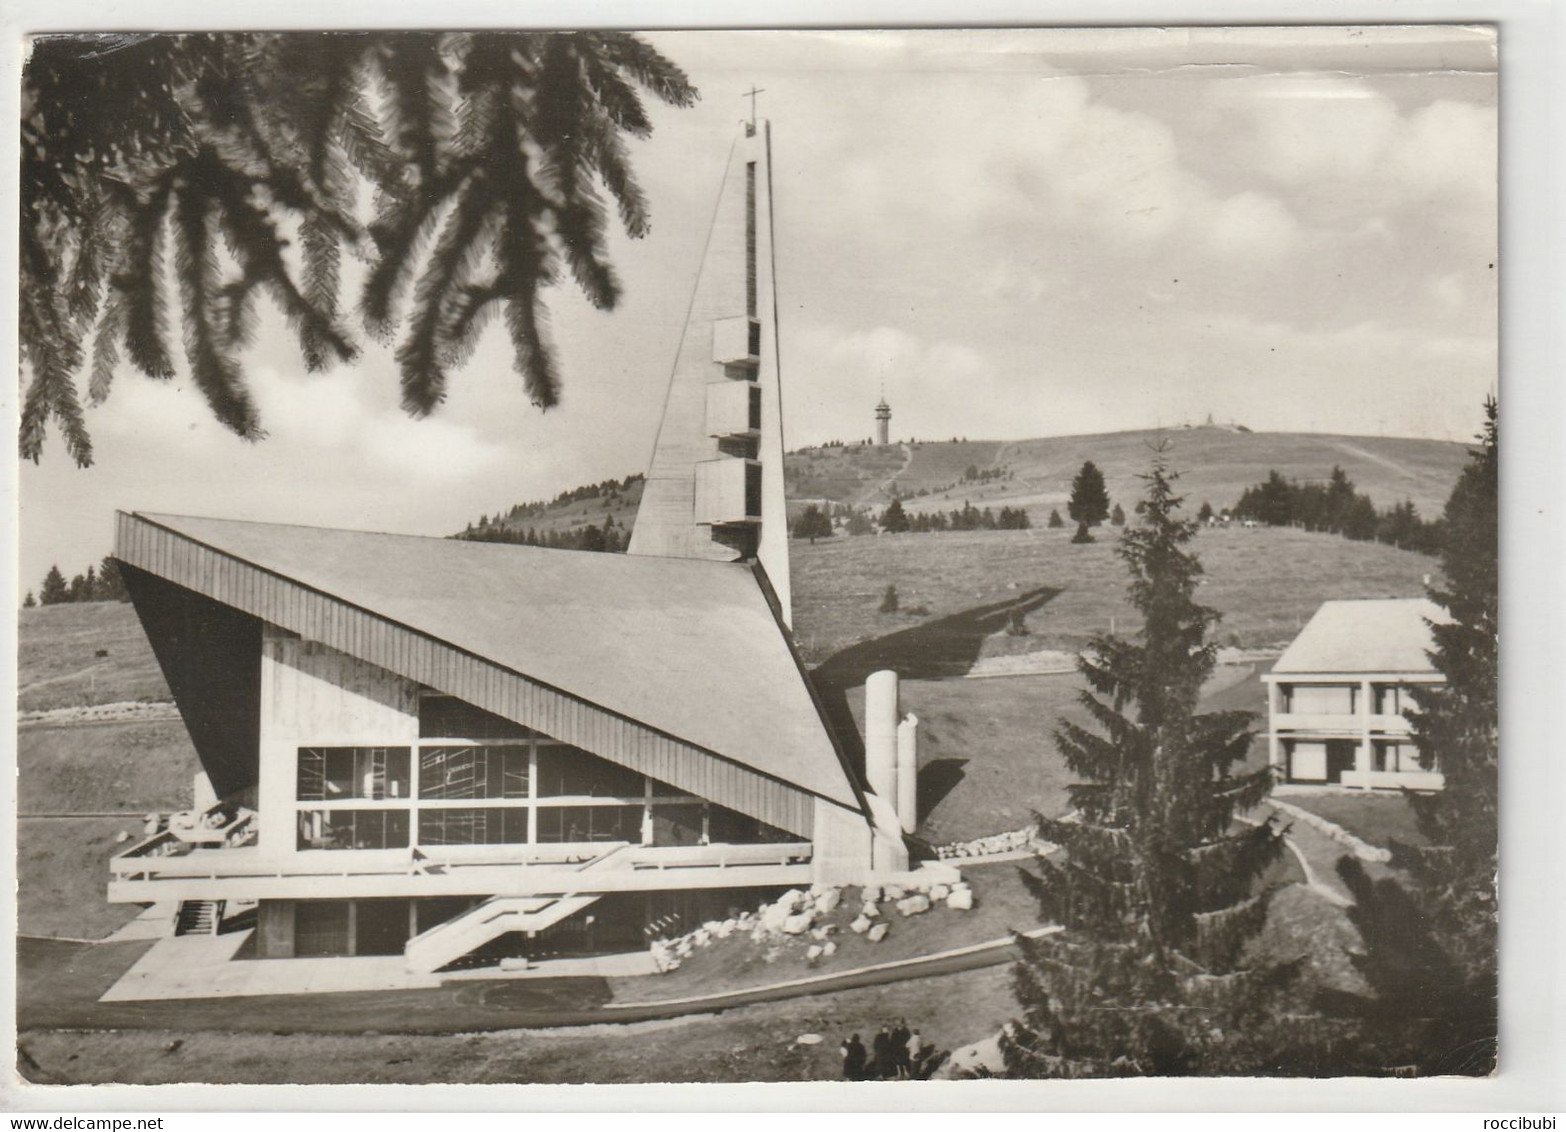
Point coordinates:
[[1019, 233]]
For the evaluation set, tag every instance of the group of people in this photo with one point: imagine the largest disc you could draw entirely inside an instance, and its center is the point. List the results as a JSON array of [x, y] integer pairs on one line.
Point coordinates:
[[895, 1053]]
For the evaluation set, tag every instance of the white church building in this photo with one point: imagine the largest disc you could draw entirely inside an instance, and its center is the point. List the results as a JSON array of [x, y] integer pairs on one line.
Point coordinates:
[[440, 748]]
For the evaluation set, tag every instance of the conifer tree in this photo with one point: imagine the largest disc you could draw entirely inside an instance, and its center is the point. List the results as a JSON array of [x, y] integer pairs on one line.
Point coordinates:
[[1117, 517], [1055, 521], [29, 602], [894, 520], [1156, 886], [1438, 1013], [1089, 501], [812, 524], [54, 591], [1206, 513]]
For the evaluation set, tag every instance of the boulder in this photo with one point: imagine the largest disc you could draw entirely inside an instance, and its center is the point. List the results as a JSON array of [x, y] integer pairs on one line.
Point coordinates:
[[798, 924], [773, 917], [823, 931], [870, 910], [871, 894], [939, 892], [913, 905], [793, 899], [828, 901], [960, 899], [878, 933], [812, 953], [893, 892], [829, 948], [860, 925]]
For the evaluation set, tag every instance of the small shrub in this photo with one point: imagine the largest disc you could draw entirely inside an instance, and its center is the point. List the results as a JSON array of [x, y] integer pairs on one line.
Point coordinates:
[[889, 602], [1082, 534]]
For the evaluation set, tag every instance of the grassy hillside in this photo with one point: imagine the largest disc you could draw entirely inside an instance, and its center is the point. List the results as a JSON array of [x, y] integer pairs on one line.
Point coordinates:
[[1216, 464], [99, 768], [58, 661], [1265, 581]]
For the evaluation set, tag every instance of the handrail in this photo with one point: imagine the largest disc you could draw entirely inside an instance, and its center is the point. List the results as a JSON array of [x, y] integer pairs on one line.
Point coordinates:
[[215, 863]]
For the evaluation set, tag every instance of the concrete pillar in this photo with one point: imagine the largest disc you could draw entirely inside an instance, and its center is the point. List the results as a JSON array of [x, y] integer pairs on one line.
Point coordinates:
[[908, 772], [1363, 761], [203, 797], [881, 734]]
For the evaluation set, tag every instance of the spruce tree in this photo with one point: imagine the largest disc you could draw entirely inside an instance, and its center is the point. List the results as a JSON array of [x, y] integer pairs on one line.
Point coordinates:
[[1117, 517], [1156, 886], [54, 591], [1457, 731], [894, 520], [813, 523], [1206, 513], [29, 602], [1055, 521], [1089, 501]]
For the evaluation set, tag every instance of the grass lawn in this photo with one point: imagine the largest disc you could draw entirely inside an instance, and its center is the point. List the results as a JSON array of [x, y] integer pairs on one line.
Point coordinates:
[[58, 665], [1001, 904], [1266, 582], [987, 759], [755, 1043], [1378, 819], [129, 767], [62, 872]]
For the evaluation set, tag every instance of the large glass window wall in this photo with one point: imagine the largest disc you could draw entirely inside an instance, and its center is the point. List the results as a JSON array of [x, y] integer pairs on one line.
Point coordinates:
[[475, 779]]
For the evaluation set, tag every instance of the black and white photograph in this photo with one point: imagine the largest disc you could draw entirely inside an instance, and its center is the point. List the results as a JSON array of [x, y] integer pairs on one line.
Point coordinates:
[[608, 556]]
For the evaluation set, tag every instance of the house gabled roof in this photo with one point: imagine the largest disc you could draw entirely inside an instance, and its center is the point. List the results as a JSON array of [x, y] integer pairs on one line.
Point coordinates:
[[1390, 635], [688, 649]]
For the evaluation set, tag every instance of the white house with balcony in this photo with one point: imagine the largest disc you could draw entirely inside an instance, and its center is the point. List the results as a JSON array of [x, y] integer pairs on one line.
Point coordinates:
[[1338, 702]]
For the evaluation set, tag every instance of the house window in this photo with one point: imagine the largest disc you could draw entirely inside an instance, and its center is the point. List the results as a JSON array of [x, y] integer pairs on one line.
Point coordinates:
[[473, 772], [1320, 699], [478, 825], [1395, 758], [353, 829], [329, 774]]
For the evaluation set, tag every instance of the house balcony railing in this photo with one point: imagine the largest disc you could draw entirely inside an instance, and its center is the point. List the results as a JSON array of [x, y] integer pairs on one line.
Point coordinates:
[[1341, 724]]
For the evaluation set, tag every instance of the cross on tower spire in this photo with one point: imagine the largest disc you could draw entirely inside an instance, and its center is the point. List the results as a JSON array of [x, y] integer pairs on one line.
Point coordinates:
[[750, 126]]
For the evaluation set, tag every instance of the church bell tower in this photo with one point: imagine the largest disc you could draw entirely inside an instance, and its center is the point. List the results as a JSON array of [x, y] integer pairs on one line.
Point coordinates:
[[715, 484]]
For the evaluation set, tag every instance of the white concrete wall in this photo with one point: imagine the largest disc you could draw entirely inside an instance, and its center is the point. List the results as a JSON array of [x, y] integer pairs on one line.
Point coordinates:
[[315, 696]]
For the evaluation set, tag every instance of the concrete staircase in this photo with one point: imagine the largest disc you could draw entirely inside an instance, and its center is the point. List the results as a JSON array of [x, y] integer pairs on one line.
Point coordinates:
[[445, 943], [199, 917]]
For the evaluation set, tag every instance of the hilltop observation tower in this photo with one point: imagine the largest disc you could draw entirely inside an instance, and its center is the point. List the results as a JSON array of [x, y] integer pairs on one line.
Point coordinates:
[[883, 422]]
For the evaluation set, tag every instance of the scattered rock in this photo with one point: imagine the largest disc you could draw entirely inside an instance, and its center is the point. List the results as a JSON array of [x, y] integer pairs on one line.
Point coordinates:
[[823, 931], [939, 892], [798, 924], [894, 892], [878, 933], [828, 901], [914, 905], [960, 900], [870, 910], [808, 1040], [813, 952], [860, 925], [829, 948], [871, 894], [122, 837]]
